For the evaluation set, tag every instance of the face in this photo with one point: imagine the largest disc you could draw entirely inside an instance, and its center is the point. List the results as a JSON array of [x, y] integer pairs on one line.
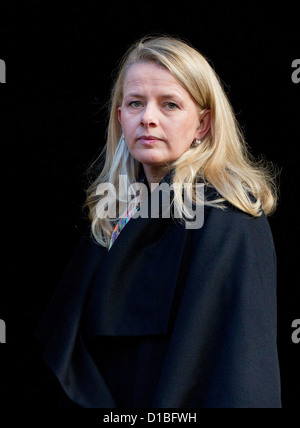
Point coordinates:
[[159, 118]]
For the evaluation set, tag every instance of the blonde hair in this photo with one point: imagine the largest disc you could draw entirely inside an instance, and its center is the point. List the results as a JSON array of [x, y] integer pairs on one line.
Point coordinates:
[[221, 161]]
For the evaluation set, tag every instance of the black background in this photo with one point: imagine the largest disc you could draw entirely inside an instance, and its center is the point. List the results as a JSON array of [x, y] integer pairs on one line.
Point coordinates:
[[59, 63]]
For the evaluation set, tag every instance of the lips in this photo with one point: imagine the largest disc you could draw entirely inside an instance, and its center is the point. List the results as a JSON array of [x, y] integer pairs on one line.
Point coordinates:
[[148, 139]]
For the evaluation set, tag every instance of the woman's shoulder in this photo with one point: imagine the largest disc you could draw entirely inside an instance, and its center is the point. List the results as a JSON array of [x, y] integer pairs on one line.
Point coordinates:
[[228, 217]]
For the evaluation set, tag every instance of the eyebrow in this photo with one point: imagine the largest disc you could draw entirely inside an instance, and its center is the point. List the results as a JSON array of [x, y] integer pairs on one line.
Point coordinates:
[[133, 95], [164, 96]]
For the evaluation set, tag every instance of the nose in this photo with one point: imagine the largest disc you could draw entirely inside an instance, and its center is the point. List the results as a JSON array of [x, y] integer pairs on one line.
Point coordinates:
[[149, 117]]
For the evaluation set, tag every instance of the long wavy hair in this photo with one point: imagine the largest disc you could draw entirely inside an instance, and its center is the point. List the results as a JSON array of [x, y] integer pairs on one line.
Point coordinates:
[[222, 160]]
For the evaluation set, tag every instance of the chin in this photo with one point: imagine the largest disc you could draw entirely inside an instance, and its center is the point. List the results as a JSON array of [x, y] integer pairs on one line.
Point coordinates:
[[149, 159], [156, 162]]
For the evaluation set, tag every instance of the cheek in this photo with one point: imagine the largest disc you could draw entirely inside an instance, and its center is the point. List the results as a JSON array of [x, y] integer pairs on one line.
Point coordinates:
[[128, 123], [183, 133]]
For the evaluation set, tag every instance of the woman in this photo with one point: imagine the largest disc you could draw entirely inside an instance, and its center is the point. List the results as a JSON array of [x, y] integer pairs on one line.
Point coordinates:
[[153, 311]]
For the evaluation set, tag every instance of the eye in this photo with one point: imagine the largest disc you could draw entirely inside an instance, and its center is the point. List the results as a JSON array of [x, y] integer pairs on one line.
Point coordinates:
[[135, 104], [172, 106]]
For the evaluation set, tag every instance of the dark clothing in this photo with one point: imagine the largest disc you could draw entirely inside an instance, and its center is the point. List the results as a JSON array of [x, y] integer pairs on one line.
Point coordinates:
[[169, 317]]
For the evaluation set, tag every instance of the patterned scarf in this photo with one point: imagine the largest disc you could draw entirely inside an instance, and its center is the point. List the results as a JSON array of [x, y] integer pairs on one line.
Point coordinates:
[[124, 220]]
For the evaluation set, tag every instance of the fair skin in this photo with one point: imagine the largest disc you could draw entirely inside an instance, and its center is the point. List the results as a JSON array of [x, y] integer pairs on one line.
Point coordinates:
[[159, 118]]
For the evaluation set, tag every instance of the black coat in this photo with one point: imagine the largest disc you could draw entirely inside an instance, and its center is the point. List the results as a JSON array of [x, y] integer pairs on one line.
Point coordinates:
[[169, 317]]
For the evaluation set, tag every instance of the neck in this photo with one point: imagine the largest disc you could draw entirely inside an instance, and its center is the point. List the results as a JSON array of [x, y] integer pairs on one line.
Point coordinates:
[[154, 175]]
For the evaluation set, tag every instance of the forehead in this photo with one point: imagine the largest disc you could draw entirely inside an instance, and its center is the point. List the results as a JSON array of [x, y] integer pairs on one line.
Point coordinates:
[[151, 76]]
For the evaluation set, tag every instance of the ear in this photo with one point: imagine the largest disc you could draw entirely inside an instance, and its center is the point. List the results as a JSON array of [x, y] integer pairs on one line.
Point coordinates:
[[205, 124], [119, 114]]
